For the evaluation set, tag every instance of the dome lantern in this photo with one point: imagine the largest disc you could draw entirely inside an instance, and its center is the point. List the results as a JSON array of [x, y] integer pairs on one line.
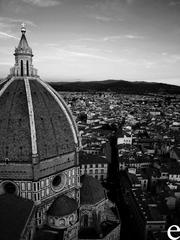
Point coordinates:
[[23, 58]]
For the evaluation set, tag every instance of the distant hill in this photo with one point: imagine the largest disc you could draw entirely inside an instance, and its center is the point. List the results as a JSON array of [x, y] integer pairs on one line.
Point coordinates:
[[119, 86]]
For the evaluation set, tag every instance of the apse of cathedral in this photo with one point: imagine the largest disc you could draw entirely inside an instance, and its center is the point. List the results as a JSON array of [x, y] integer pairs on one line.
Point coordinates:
[[41, 194]]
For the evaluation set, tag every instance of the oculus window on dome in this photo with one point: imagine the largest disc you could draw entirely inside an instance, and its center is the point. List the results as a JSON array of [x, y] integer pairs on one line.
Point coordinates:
[[8, 187], [58, 182]]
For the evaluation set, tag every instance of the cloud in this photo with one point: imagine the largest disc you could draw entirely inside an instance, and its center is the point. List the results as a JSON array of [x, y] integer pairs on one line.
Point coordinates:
[[111, 38], [5, 63], [130, 1], [43, 3], [6, 35], [105, 18], [173, 3], [72, 52], [8, 26], [13, 21], [129, 36], [117, 37], [88, 55]]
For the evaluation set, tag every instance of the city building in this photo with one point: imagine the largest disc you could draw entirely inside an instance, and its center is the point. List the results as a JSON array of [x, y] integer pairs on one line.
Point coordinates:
[[94, 165]]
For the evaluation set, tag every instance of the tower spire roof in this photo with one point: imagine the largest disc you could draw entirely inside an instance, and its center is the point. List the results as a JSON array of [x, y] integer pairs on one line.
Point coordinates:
[[23, 47]]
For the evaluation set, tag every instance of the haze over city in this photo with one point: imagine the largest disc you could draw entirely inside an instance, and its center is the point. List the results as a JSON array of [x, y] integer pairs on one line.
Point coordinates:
[[95, 39]]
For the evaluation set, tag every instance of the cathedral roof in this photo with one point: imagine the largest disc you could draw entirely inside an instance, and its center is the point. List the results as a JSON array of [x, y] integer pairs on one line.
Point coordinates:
[[23, 44], [91, 191], [23, 47], [34, 120], [14, 215], [62, 206]]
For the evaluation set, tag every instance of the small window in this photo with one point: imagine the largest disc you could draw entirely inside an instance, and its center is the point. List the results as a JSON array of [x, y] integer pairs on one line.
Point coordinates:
[[47, 182], [29, 196], [23, 186], [10, 187], [29, 186], [56, 181], [47, 191], [42, 183]]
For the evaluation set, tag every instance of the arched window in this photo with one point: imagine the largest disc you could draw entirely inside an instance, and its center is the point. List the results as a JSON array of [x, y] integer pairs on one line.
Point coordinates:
[[22, 71], [86, 221], [99, 216], [27, 67]]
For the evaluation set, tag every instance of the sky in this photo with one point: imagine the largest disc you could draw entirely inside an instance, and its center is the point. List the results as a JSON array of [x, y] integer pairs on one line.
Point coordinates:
[[134, 40]]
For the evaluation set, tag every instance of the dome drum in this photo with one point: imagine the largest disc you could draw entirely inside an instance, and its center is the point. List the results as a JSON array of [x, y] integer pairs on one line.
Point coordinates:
[[62, 222]]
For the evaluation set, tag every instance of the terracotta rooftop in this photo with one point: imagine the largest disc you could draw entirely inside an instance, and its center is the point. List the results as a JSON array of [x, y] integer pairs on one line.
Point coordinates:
[[14, 214], [91, 191], [62, 206]]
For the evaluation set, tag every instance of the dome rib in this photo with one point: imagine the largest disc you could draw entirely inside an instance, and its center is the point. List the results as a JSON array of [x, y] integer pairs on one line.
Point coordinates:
[[31, 117], [6, 86]]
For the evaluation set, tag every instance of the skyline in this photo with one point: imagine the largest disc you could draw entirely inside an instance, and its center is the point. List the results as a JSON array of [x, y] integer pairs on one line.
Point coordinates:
[[133, 40]]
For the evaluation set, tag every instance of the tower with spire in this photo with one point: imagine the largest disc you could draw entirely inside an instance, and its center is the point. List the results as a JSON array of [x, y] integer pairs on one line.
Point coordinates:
[[23, 58]]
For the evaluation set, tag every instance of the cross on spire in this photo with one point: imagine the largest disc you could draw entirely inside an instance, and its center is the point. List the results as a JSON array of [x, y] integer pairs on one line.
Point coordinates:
[[23, 28]]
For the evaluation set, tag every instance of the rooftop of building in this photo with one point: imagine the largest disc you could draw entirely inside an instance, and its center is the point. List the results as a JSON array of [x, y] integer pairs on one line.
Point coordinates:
[[15, 212], [91, 192], [85, 158], [62, 206]]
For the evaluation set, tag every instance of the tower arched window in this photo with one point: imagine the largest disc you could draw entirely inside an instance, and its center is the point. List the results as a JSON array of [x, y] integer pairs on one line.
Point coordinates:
[[85, 220], [27, 67], [22, 70]]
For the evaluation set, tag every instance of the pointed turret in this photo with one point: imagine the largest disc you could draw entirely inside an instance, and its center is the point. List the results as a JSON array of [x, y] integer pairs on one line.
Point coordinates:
[[23, 58], [23, 47]]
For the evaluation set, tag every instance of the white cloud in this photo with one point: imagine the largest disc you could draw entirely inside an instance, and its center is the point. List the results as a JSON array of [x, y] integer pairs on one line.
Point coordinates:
[[5, 63], [11, 21], [6, 35], [127, 36], [106, 18], [173, 3], [130, 1], [43, 3], [103, 18], [9, 25]]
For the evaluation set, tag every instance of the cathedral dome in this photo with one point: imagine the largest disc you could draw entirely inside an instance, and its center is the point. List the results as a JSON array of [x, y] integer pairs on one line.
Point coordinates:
[[91, 191], [62, 206], [35, 122]]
